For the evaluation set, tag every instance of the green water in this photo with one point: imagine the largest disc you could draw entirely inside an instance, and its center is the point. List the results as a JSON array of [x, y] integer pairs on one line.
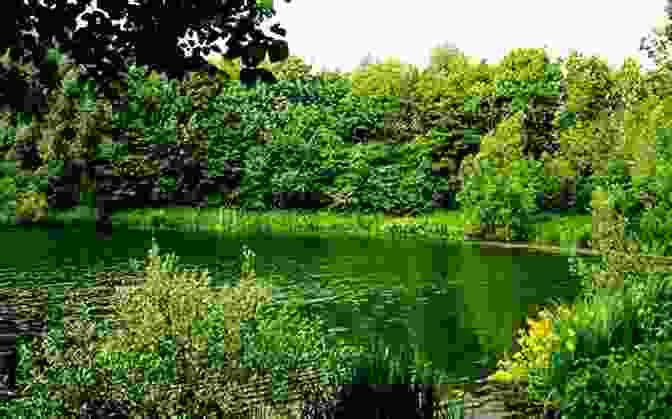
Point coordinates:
[[459, 304]]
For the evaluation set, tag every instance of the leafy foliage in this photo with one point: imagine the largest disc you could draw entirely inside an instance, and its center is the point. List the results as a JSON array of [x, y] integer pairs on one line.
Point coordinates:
[[458, 79], [525, 73], [658, 49], [611, 343], [643, 126], [278, 167], [654, 300], [622, 384], [380, 79], [654, 222], [587, 146], [630, 82], [291, 69], [603, 320], [504, 147], [231, 325], [173, 304], [591, 85], [291, 337], [110, 50], [491, 199], [641, 196]]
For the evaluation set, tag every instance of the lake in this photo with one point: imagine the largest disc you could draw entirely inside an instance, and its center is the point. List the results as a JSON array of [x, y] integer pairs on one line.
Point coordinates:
[[459, 303]]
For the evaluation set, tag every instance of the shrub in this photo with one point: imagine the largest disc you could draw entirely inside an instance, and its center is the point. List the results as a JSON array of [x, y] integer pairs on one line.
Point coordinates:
[[176, 304], [489, 198], [653, 194], [242, 331], [622, 385], [504, 146], [606, 320], [615, 314]]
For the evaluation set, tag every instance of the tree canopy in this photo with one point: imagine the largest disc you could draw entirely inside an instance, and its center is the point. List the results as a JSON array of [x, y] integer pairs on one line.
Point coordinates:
[[149, 38], [659, 47]]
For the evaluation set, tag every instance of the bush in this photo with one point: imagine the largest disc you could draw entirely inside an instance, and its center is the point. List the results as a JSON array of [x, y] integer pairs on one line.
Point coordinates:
[[654, 194], [176, 304], [491, 199], [242, 331], [607, 320], [614, 314], [622, 385], [644, 201]]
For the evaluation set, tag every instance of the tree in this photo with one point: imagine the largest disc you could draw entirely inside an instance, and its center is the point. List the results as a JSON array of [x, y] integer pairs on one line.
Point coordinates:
[[149, 37], [443, 54], [448, 46], [368, 59], [661, 49]]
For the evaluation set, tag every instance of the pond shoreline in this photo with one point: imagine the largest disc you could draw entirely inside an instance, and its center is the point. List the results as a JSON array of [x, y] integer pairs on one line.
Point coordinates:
[[148, 218], [142, 217], [480, 400]]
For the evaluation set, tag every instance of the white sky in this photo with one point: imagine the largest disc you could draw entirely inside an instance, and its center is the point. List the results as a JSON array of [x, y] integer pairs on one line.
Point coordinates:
[[338, 34]]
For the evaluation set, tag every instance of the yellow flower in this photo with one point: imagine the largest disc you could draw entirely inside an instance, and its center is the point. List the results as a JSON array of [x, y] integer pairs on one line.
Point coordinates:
[[540, 328]]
